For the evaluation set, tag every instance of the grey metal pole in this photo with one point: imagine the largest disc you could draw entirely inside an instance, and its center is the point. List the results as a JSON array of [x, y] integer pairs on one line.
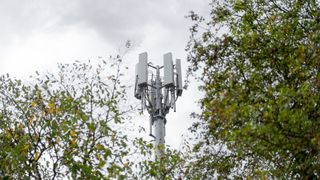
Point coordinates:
[[159, 134], [159, 119]]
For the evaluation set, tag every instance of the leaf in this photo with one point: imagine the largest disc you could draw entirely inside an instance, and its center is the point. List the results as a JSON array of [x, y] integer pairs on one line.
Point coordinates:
[[123, 143], [34, 103], [73, 141], [99, 147], [26, 147], [73, 133], [43, 113], [21, 126], [31, 120], [98, 156], [51, 107], [36, 157], [8, 133]]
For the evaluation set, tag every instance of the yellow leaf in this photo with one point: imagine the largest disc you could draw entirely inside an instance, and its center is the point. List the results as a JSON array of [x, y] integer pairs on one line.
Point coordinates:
[[21, 126], [273, 18], [51, 108], [31, 120], [26, 147], [33, 104], [36, 157], [73, 142], [73, 133]]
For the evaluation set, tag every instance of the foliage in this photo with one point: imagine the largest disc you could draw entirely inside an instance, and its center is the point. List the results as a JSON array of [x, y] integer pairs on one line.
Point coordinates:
[[65, 124], [169, 166], [259, 61], [74, 124]]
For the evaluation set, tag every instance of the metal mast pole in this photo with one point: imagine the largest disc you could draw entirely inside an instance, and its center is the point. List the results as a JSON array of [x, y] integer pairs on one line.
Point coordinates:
[[159, 118]]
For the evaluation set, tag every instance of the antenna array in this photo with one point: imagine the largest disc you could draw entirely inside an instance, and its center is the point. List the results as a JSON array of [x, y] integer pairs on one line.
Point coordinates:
[[158, 95]]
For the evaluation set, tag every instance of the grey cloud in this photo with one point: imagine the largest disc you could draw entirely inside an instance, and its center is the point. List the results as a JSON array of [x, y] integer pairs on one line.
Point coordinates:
[[114, 20], [119, 19]]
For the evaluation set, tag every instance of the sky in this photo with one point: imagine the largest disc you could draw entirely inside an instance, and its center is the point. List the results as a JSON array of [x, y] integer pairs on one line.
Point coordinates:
[[35, 35]]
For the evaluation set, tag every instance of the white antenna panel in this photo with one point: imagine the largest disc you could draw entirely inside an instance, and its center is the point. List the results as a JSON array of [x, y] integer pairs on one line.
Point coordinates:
[[137, 92], [168, 70], [179, 77], [143, 69], [137, 70]]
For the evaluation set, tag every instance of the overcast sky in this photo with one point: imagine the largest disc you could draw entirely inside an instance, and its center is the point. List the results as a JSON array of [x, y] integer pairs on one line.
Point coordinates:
[[37, 34]]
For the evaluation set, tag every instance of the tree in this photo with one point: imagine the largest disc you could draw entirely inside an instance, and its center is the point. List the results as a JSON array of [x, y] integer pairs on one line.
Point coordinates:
[[169, 166], [259, 62], [74, 124], [66, 124]]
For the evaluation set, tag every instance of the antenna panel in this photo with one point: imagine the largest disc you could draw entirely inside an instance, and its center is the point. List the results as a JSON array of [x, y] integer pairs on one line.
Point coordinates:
[[179, 77], [168, 70], [137, 90], [143, 69]]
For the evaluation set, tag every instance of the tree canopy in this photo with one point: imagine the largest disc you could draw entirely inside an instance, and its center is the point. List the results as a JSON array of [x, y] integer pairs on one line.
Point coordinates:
[[64, 124], [75, 123], [259, 61]]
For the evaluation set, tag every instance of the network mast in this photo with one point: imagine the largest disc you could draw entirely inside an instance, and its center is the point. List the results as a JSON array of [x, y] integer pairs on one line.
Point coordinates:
[[158, 95]]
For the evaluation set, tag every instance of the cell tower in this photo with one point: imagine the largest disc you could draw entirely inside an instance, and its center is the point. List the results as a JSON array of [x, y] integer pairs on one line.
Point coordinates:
[[158, 95]]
